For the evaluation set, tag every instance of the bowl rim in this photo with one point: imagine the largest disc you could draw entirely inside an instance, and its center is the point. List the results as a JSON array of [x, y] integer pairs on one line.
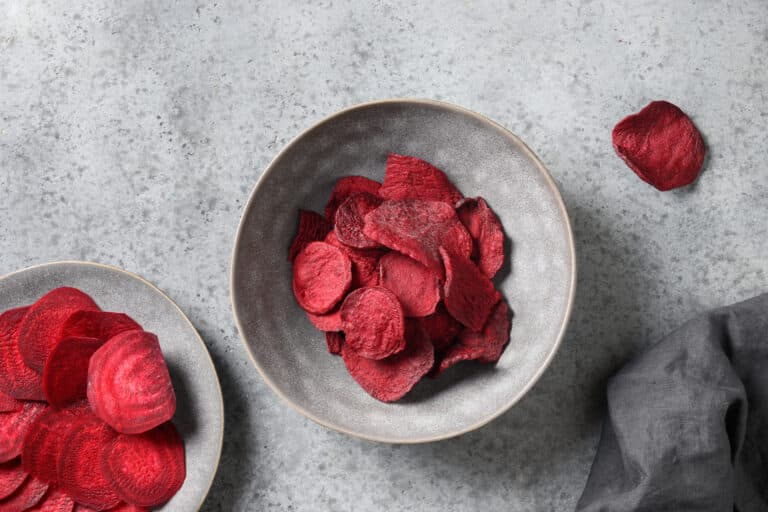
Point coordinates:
[[162, 294], [514, 139]]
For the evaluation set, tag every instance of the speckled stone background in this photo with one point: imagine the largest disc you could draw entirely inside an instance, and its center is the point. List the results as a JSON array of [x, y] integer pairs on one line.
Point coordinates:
[[132, 133]]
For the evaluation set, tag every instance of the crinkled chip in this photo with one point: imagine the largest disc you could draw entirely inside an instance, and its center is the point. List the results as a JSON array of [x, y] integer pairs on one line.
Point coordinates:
[[373, 322], [661, 144], [469, 294], [415, 286], [347, 186], [408, 177], [312, 228], [485, 229], [322, 274], [350, 218]]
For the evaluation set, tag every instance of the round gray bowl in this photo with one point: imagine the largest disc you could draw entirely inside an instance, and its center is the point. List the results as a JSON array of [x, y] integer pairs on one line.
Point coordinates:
[[199, 406], [482, 159]]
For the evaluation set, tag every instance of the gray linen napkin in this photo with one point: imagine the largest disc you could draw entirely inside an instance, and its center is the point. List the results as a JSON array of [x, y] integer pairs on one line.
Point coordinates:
[[687, 424]]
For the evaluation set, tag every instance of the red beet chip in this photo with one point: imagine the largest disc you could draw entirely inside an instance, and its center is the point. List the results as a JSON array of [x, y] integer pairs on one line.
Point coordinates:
[[16, 378], [365, 262], [146, 469], [45, 438], [9, 404], [80, 472], [55, 500], [661, 144], [13, 429], [97, 324], [312, 228], [347, 186], [485, 346], [485, 228], [469, 294], [328, 322], [38, 332], [29, 493], [441, 328], [408, 177], [418, 229], [373, 322], [334, 341], [65, 375], [11, 477], [322, 274], [128, 383], [415, 286], [390, 379], [350, 218]]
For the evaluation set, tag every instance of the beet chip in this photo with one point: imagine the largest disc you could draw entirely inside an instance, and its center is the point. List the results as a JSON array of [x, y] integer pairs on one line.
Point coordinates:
[[415, 286], [16, 378], [441, 328], [97, 324], [661, 144], [29, 493], [334, 341], [418, 229], [347, 186], [14, 426], [44, 442], [469, 294], [350, 218], [80, 472], [8, 404], [146, 469], [390, 379], [328, 322], [365, 262], [38, 332], [55, 500], [312, 228], [322, 275], [485, 346], [128, 383], [11, 477], [373, 322], [486, 231], [408, 177], [65, 375]]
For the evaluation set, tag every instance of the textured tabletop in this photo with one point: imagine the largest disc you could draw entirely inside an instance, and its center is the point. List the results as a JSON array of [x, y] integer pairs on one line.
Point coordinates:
[[132, 133]]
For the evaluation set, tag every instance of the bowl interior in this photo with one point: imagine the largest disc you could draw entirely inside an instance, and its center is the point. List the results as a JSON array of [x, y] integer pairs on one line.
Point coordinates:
[[199, 416], [482, 159]]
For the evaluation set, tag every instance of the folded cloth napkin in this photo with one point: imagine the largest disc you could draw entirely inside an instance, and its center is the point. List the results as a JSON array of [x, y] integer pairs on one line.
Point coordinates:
[[687, 425]]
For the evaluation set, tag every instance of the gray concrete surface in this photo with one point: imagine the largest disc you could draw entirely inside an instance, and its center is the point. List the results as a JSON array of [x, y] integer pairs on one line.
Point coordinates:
[[132, 133]]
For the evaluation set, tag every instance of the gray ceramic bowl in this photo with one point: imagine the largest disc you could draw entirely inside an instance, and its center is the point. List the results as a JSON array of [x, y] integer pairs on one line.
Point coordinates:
[[482, 158], [199, 409]]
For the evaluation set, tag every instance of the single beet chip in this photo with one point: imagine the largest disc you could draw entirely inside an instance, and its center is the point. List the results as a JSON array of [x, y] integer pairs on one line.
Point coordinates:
[[80, 472], [373, 322], [441, 328], [96, 324], [322, 274], [55, 500], [365, 262], [44, 442], [485, 346], [16, 378], [485, 228], [65, 375], [9, 404], [418, 229], [350, 219], [408, 177], [390, 379], [334, 341], [14, 426], [29, 493], [11, 477], [146, 469], [415, 286], [129, 386], [312, 228], [328, 322], [39, 330], [469, 294], [348, 186], [661, 144]]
